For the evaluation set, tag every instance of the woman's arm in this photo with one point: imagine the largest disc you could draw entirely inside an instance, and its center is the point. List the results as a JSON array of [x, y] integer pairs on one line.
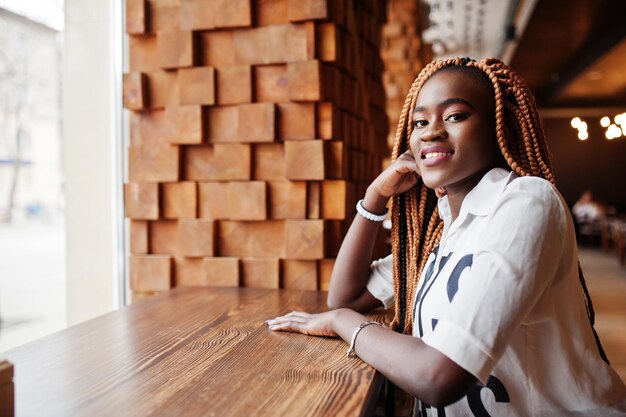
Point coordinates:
[[352, 266], [405, 360]]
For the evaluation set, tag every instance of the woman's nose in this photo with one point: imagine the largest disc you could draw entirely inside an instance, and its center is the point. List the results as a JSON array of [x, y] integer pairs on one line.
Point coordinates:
[[433, 131]]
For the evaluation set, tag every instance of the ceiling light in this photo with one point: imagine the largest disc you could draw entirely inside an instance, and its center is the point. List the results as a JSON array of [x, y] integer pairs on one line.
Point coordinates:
[[583, 135], [575, 122], [620, 119], [613, 132], [582, 126], [606, 121]]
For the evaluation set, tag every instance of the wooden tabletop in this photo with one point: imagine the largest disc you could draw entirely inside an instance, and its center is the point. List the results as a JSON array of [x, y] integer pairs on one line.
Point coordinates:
[[193, 352]]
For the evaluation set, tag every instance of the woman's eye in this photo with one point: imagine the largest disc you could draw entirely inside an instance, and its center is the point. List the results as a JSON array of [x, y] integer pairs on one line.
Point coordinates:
[[456, 117], [419, 123]]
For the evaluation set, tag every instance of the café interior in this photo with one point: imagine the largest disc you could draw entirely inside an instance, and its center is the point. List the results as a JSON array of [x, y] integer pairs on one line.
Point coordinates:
[[218, 169]]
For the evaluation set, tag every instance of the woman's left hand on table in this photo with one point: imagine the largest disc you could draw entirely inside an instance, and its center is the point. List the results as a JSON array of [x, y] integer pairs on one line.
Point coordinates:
[[306, 323]]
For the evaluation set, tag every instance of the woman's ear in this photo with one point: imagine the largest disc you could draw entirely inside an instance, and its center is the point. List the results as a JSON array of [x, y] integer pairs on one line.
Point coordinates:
[[440, 192]]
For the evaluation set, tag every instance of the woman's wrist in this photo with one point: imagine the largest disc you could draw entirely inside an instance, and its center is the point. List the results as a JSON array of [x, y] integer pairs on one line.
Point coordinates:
[[374, 202]]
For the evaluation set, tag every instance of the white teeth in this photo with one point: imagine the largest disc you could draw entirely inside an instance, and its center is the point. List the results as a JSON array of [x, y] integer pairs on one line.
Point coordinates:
[[436, 154]]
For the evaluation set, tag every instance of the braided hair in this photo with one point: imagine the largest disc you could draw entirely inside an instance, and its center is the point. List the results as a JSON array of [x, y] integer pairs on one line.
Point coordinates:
[[417, 227]]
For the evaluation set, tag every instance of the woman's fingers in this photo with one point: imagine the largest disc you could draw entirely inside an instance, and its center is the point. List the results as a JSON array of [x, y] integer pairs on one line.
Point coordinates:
[[306, 323]]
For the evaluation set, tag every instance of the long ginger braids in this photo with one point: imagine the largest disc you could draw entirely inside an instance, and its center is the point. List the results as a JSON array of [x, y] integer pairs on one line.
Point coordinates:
[[417, 227]]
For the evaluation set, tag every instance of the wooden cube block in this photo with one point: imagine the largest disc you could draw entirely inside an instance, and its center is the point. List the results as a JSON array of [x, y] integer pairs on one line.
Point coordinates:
[[301, 43], [287, 199], [176, 48], [217, 48], [257, 122], [143, 53], [335, 199], [199, 163], [218, 162], [7, 390], [163, 15], [197, 85], [268, 161], [179, 200], [270, 12], [223, 124], [163, 89], [305, 81], [135, 91], [275, 44], [234, 85], [214, 200], [296, 121], [234, 238], [201, 14], [304, 239], [141, 200], [299, 275], [260, 272], [222, 271], [314, 200], [185, 124], [196, 238], [299, 10], [163, 237], [149, 127], [150, 272], [247, 200], [189, 272], [305, 159], [328, 121], [271, 83], [139, 238], [136, 21], [325, 271], [328, 42], [232, 161], [257, 238], [335, 160], [267, 238], [152, 163]]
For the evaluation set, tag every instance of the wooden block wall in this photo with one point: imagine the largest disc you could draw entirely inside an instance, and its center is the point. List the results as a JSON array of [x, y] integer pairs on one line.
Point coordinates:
[[404, 56], [255, 127], [7, 390]]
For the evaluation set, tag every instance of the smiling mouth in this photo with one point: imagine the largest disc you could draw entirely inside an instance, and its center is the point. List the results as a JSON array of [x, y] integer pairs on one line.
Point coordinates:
[[430, 155]]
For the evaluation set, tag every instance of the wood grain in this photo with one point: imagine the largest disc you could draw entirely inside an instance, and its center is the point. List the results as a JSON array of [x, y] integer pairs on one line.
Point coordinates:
[[193, 352]]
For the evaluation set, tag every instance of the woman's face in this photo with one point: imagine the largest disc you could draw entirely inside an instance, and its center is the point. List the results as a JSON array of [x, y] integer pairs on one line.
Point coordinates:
[[453, 139]]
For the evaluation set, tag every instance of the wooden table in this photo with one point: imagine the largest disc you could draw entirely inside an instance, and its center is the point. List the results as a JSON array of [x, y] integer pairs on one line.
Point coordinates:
[[193, 352]]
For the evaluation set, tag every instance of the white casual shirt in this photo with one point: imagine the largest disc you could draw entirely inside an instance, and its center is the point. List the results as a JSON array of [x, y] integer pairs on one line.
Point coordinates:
[[500, 296]]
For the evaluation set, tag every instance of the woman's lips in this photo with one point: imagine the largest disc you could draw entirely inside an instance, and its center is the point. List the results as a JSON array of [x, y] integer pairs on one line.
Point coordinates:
[[435, 156]]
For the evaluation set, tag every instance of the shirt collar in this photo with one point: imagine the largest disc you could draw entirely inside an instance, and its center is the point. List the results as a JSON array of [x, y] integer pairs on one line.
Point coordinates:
[[481, 199]]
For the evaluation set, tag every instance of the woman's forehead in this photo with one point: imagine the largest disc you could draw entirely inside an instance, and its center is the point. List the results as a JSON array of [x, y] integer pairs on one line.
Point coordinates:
[[448, 84]]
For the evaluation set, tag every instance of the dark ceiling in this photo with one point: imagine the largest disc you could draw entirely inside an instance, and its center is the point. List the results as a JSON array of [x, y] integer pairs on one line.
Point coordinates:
[[573, 53]]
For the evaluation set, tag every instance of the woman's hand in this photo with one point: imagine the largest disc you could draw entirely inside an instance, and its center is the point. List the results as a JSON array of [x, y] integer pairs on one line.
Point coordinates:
[[305, 323], [399, 177]]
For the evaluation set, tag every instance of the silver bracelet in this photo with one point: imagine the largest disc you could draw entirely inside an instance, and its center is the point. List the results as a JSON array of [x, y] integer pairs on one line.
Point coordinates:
[[370, 216], [351, 352]]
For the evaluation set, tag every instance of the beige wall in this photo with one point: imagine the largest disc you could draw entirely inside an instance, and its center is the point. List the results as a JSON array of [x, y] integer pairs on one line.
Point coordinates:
[[89, 153]]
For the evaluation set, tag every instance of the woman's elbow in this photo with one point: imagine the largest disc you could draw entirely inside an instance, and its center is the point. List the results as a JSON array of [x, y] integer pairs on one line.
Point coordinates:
[[445, 386], [334, 303]]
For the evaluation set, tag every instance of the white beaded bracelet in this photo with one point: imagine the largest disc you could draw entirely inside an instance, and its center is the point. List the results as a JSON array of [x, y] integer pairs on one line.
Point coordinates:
[[370, 216], [351, 352]]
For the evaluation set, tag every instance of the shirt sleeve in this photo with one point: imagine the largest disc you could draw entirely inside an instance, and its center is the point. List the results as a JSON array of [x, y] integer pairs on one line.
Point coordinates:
[[516, 262], [380, 283]]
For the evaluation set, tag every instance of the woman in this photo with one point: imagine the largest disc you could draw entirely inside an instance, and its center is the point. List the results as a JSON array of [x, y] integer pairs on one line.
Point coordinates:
[[484, 269]]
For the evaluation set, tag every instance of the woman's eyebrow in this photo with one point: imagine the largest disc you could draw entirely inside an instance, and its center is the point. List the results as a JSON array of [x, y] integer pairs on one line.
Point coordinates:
[[446, 102]]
